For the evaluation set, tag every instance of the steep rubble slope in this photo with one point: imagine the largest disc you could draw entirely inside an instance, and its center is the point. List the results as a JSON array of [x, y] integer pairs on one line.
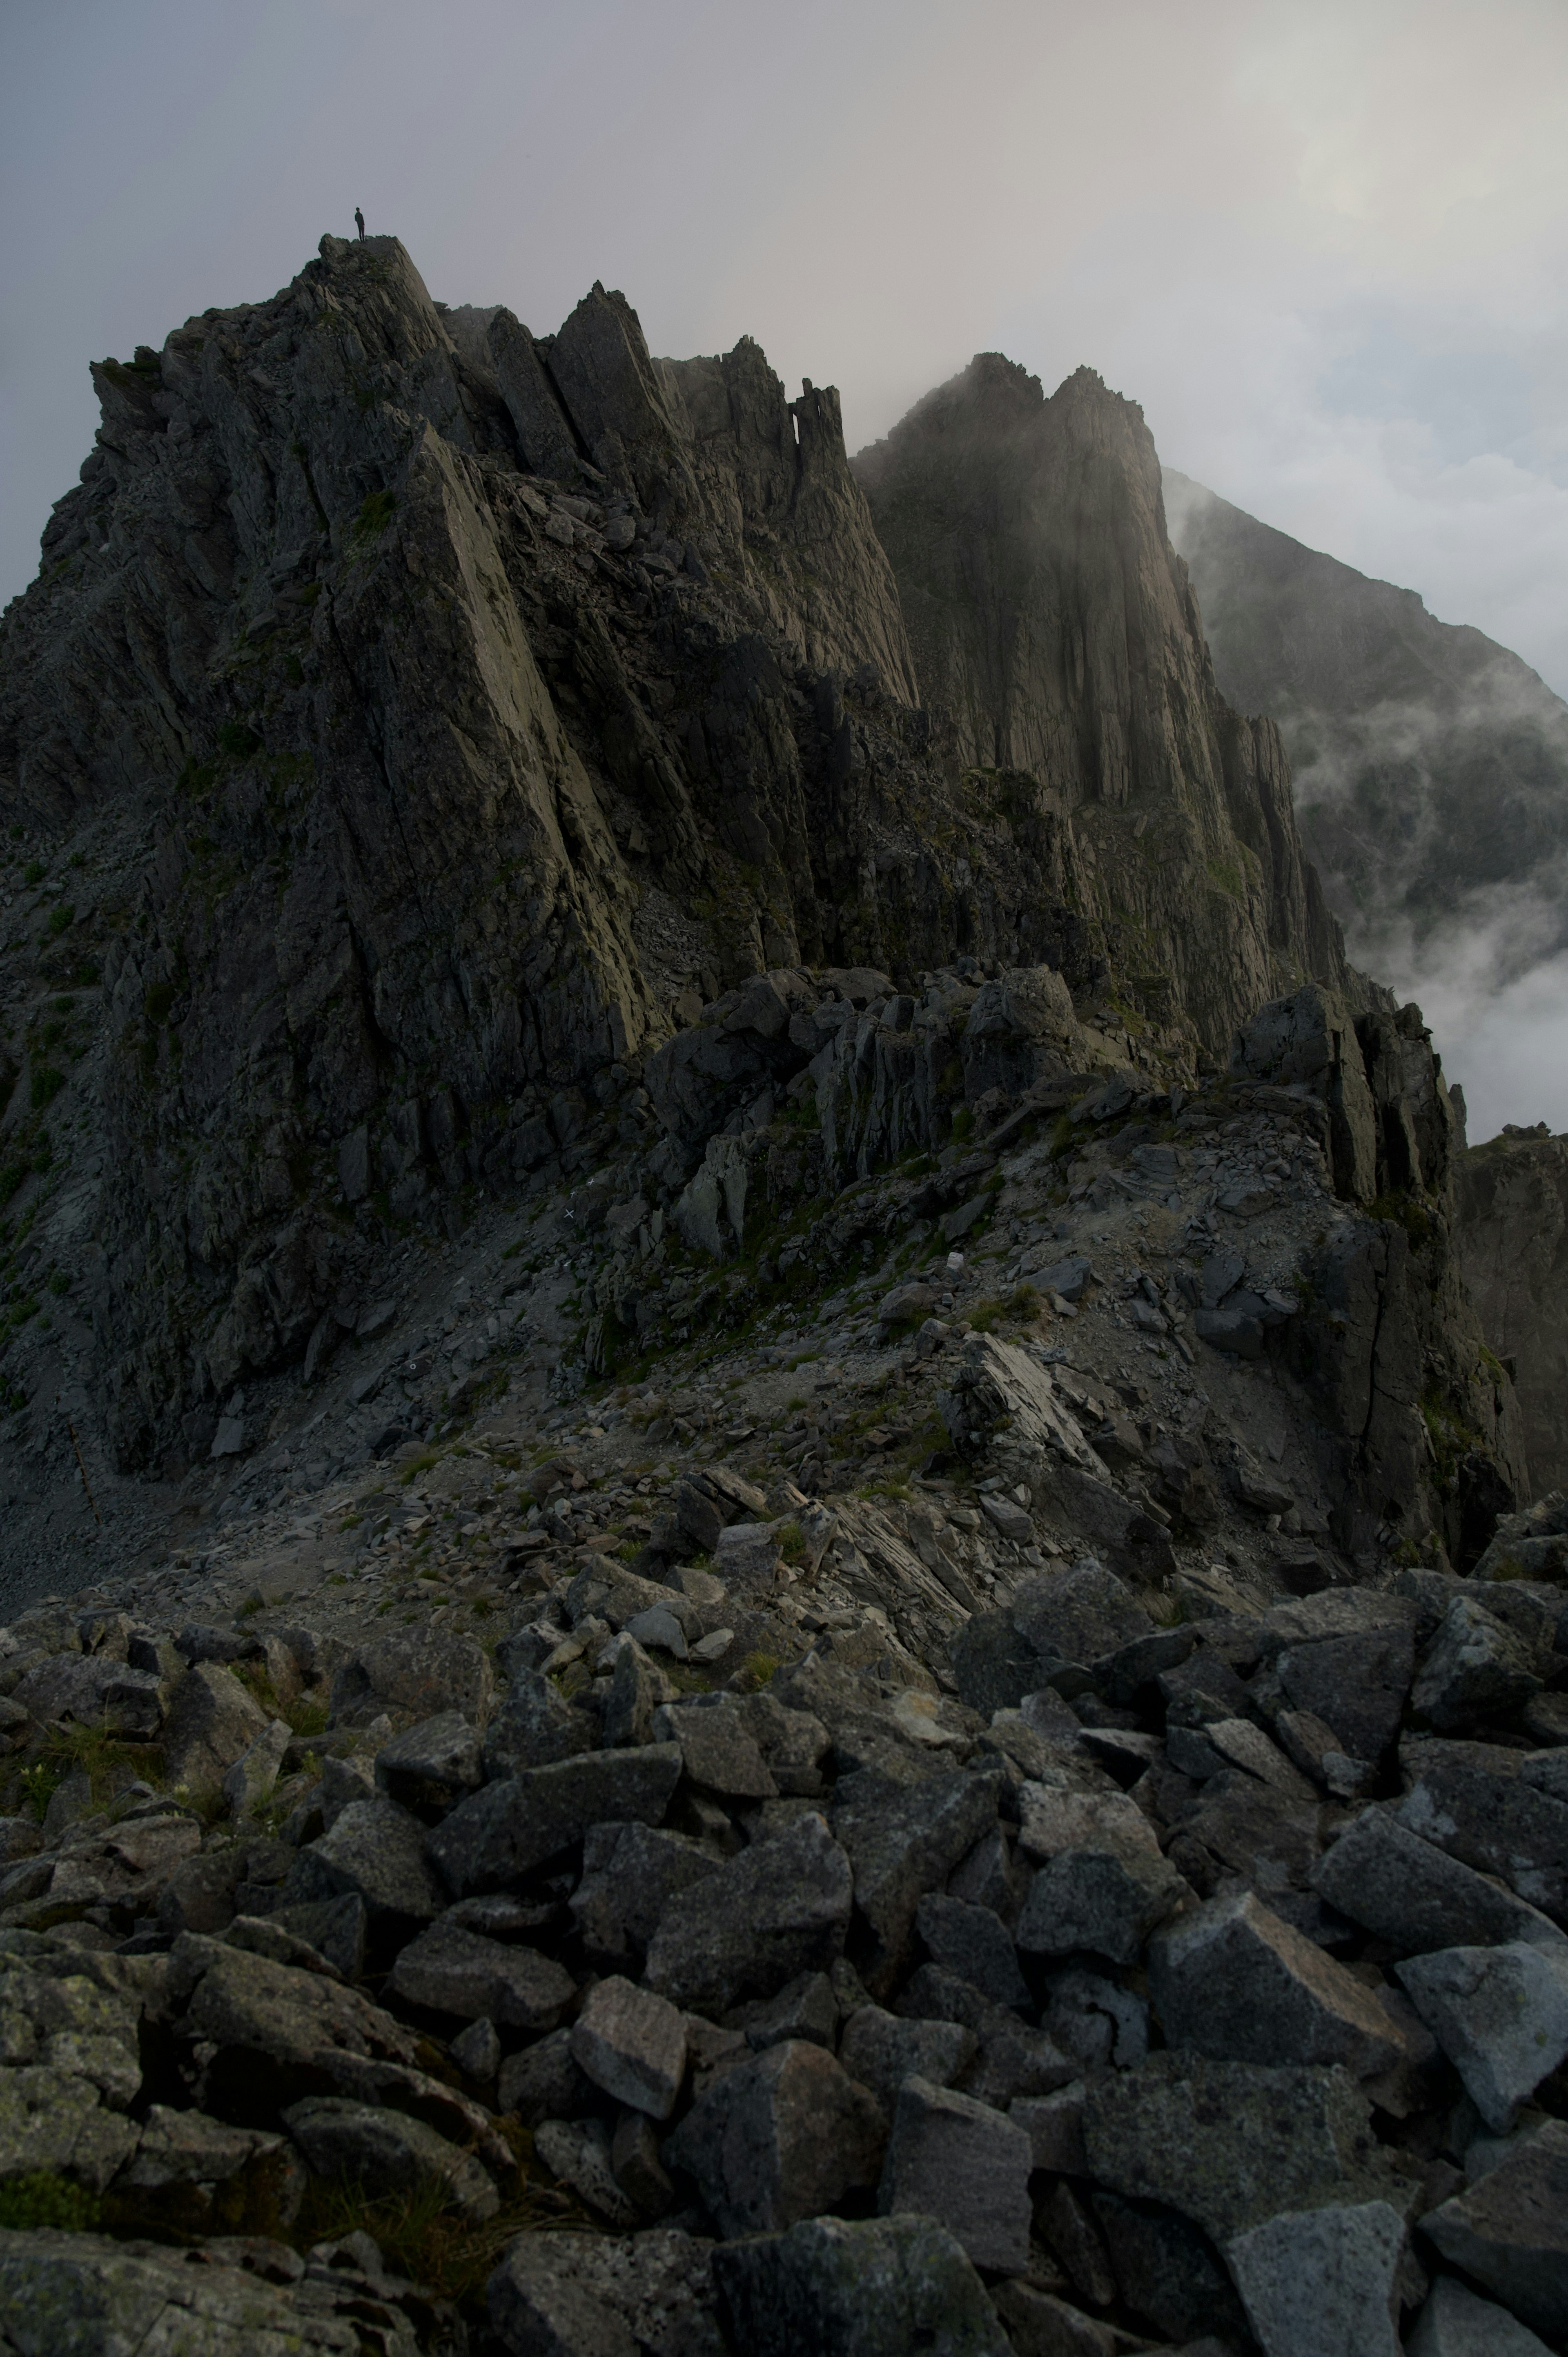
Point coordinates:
[[1512, 1233], [1431, 765], [1049, 611], [415, 721]]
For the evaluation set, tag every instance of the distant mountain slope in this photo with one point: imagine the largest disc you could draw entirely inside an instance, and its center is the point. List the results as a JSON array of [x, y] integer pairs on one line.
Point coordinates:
[[1431, 764]]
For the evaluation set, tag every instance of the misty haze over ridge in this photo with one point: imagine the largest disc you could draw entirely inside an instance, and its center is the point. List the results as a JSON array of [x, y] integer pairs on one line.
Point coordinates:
[[1431, 773]]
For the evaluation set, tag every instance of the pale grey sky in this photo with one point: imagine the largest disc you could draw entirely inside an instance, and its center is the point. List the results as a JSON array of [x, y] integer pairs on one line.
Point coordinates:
[[1322, 244]]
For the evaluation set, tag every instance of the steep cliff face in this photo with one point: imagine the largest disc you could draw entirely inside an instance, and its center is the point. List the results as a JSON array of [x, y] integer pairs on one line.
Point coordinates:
[[1431, 765], [1049, 613], [1512, 1198]]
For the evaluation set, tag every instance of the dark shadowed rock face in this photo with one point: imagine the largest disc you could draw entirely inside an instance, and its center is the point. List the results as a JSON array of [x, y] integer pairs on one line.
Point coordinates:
[[1511, 1200], [1049, 613]]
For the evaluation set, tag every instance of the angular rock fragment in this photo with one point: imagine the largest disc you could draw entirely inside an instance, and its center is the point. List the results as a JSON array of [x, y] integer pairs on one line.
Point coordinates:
[[719, 1752], [867, 2287], [534, 1725], [594, 2296], [779, 1909], [248, 1783], [1483, 1805], [110, 2297], [580, 2153], [453, 1971], [1165, 2269], [1103, 1884], [882, 2052], [1508, 2231], [213, 1718], [1229, 1980], [497, 1836], [953, 2159], [630, 1873], [1232, 2144], [432, 1764], [783, 2136], [386, 2152], [631, 2043], [544, 2081], [376, 1852], [1322, 2282], [194, 2175], [1416, 1897], [1499, 2013], [416, 1674], [1477, 1669], [974, 1944], [1455, 2321]]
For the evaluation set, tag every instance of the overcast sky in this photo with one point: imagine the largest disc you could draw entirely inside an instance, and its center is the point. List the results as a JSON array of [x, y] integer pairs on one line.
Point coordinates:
[[1322, 244]]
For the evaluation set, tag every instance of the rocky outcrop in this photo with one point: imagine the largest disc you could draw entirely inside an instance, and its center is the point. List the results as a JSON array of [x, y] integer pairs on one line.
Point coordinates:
[[420, 792], [1431, 765], [1511, 1197], [1048, 612]]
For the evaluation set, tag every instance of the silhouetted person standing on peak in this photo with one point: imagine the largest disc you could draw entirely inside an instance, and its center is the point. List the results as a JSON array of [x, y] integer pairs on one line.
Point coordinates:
[[359, 220]]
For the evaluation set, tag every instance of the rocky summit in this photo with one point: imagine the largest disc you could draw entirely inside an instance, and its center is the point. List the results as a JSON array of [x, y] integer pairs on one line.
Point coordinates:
[[768, 1584]]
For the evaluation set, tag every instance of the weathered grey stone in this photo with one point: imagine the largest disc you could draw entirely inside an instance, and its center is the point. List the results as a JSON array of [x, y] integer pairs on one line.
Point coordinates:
[[1475, 1669], [213, 1718], [418, 1673], [249, 1783], [386, 2152], [85, 2293], [534, 1725], [1012, 2059], [1499, 2013], [1165, 2268], [1358, 1684], [1414, 1896], [580, 2154], [632, 2043], [1508, 2231], [127, 1864], [1485, 1805], [454, 1971], [901, 1843], [779, 1909], [637, 2166], [637, 1687], [478, 2051], [882, 2052], [544, 2081], [973, 1943], [432, 1764], [782, 2137], [1103, 1884], [719, 1752], [375, 1850], [630, 1873], [954, 2159], [1456, 2323], [497, 1836], [569, 2295], [870, 2288], [1322, 2282], [1054, 2126], [192, 2174], [335, 1928], [806, 2007], [1231, 1981], [1232, 2144]]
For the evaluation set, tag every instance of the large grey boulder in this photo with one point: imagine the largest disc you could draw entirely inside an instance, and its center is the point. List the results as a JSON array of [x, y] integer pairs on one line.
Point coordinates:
[[901, 1843], [213, 1718], [375, 1851], [1477, 1669], [779, 1909], [1508, 2231], [570, 2294], [196, 2175], [784, 2137], [1415, 1896], [534, 1725], [1322, 2282], [1231, 1981], [719, 1748], [387, 2152], [451, 1970], [867, 2287], [1483, 1805], [973, 1943], [1232, 2144], [414, 1674], [1356, 1684], [1455, 2321], [1104, 1883], [497, 1836], [630, 1873], [882, 2052], [632, 2043], [432, 1763], [1499, 2013], [953, 2158], [1167, 2269], [94, 2298]]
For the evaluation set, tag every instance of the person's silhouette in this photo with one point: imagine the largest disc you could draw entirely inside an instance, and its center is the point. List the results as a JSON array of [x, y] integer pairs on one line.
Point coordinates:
[[359, 220]]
